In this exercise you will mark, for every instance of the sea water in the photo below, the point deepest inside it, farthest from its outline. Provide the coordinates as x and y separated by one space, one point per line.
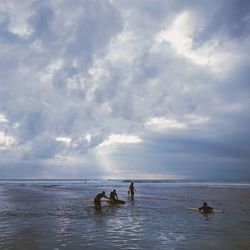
42 214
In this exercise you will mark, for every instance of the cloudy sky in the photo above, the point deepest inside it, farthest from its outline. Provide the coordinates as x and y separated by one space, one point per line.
125 89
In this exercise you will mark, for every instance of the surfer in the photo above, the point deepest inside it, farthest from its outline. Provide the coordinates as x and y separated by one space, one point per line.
132 190
113 196
97 200
205 208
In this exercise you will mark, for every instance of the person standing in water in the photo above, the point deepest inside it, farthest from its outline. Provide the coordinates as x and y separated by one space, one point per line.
97 200
205 208
132 190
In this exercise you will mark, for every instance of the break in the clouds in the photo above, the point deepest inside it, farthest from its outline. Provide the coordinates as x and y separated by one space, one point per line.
124 89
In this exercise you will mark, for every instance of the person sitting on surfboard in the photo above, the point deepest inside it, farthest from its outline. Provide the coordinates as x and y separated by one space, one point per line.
131 190
113 195
97 200
205 208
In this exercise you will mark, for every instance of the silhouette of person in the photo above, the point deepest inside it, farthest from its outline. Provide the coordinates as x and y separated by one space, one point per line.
97 200
205 208
113 195
132 190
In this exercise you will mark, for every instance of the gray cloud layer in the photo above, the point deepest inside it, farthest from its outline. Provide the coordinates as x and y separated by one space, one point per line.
79 78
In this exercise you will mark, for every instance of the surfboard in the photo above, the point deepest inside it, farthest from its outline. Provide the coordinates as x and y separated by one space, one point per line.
192 208
116 202
91 200
197 209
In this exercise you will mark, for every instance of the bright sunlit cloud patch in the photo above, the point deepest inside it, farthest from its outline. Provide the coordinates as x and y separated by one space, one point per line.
65 140
6 140
3 118
88 137
18 22
163 124
117 138
179 37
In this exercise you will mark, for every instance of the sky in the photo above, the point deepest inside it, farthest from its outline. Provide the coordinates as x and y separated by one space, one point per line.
125 89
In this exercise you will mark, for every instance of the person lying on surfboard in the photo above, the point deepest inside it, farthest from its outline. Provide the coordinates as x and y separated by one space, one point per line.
113 195
97 200
205 208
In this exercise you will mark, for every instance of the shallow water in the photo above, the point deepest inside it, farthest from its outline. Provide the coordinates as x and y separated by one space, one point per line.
52 215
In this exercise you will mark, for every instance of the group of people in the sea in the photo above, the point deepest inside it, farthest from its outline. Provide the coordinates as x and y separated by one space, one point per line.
112 197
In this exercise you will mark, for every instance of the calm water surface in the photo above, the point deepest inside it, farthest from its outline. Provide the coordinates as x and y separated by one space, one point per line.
53 215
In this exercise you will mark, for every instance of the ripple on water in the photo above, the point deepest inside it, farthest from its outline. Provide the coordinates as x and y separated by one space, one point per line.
55 218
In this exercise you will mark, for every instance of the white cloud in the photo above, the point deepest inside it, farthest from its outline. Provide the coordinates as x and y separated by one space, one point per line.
120 139
88 137
6 140
50 70
65 140
3 118
18 22
218 54
164 124
179 36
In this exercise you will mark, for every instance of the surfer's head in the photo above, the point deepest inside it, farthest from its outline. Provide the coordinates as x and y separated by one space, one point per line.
204 204
114 190
103 192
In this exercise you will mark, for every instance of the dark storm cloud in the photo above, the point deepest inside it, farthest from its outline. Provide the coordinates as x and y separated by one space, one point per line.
41 22
5 35
231 20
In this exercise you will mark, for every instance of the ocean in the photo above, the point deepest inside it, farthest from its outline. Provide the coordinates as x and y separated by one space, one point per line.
54 214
